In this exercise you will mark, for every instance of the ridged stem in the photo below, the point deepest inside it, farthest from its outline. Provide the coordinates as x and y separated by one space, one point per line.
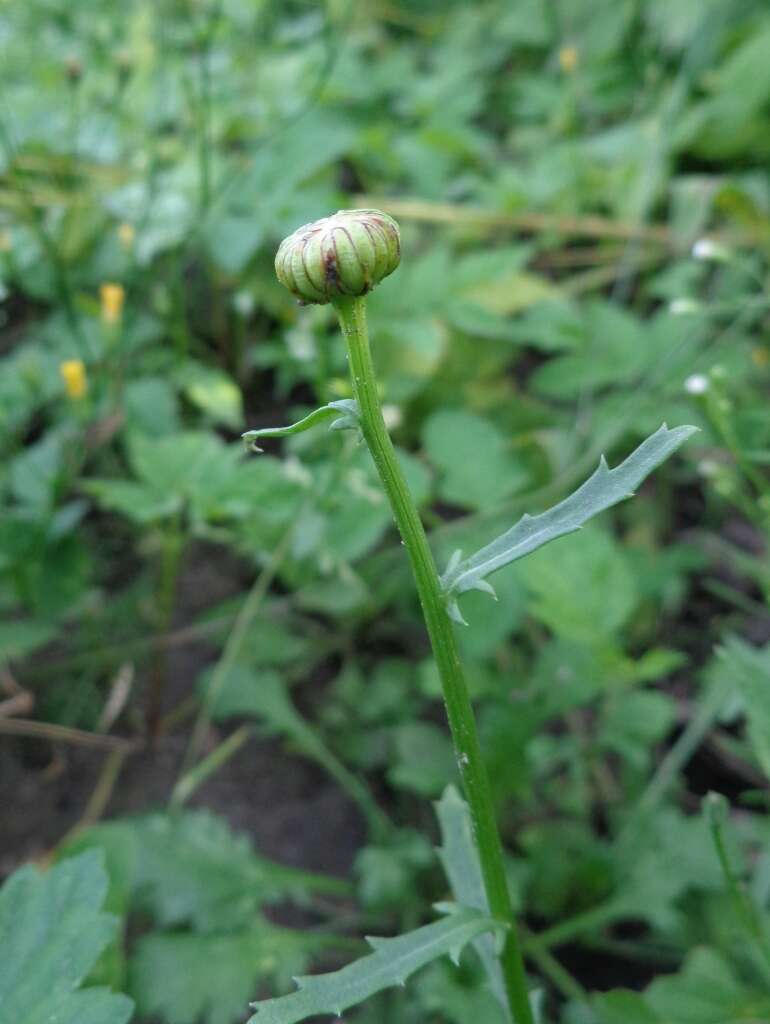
352 317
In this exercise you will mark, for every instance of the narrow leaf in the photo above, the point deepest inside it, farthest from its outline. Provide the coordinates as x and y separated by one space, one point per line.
391 963
345 411
606 487
461 866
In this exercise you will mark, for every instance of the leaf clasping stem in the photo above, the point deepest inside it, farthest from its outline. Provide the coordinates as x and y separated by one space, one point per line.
352 316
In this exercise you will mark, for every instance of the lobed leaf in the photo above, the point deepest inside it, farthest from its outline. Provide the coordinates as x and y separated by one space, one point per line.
391 963
193 869
606 487
184 978
52 930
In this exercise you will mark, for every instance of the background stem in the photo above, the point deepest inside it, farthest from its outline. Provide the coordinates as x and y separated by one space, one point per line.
352 317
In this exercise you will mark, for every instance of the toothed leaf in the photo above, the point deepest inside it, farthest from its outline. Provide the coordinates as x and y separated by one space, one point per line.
461 866
391 963
349 419
52 931
606 487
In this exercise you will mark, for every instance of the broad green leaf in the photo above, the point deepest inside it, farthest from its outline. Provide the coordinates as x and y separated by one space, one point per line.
232 239
186 978
707 991
193 869
461 865
602 490
748 668
672 856
613 348
634 722
214 393
177 463
138 502
493 621
423 758
442 993
116 840
391 963
20 638
151 407
583 589
52 930
476 468
622 1007
34 472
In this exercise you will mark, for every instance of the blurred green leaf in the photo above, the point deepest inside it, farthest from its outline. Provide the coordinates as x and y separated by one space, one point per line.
52 930
192 869
17 639
748 669
185 978
214 393
476 465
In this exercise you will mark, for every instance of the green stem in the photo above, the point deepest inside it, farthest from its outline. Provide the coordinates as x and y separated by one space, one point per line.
717 810
352 317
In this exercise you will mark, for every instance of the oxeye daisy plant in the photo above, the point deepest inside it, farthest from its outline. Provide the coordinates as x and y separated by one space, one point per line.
338 260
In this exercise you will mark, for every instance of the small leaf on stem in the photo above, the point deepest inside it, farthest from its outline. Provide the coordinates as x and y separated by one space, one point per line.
606 487
344 412
391 963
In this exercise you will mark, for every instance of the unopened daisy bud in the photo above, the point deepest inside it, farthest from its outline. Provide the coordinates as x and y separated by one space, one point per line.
344 255
73 373
708 249
112 297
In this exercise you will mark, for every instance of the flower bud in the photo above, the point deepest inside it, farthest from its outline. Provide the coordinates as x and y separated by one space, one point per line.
343 255
73 373
112 297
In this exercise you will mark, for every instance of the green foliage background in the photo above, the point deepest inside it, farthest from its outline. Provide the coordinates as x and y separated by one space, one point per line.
551 163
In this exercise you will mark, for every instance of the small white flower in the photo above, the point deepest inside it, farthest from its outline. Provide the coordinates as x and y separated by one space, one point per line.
392 416
301 343
684 307
696 384
708 249
243 303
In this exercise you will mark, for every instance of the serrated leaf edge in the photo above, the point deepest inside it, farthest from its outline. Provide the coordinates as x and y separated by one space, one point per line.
462 575
463 925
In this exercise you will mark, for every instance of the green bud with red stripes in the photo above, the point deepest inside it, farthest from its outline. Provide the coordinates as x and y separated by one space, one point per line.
344 255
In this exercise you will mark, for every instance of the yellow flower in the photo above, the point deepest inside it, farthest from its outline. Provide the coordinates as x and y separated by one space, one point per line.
568 59
126 234
760 356
112 297
73 374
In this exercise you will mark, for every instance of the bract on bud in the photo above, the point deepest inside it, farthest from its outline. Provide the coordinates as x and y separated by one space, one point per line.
346 254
